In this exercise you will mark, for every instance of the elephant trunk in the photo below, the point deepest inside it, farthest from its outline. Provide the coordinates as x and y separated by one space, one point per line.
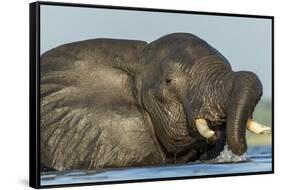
245 94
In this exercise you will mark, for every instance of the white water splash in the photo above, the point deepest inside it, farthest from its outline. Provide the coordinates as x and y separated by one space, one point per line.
227 156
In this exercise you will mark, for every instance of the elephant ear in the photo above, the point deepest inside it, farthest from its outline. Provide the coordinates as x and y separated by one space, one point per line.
77 81
64 109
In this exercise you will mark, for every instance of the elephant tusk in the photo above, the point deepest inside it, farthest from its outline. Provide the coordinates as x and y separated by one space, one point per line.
256 127
203 128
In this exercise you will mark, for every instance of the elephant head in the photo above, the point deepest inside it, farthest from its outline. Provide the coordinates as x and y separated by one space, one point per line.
191 94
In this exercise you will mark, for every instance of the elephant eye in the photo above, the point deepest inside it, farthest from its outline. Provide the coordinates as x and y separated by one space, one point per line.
168 81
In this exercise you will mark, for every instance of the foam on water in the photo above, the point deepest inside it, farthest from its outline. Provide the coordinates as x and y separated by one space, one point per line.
227 156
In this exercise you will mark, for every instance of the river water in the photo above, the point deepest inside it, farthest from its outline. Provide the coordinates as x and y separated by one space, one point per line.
259 159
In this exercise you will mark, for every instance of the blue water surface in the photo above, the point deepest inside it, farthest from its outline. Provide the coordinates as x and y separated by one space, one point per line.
259 160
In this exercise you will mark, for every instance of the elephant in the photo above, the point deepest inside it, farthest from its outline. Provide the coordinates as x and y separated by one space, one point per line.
113 103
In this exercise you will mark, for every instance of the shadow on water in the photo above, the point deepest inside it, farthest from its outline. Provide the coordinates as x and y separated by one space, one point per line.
258 159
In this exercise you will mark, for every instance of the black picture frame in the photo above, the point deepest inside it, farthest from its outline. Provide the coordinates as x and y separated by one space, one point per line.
34 82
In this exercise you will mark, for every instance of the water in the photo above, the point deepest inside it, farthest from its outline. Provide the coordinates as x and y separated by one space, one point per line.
259 159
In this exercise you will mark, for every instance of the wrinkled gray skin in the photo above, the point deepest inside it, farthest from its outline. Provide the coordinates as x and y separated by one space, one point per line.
121 103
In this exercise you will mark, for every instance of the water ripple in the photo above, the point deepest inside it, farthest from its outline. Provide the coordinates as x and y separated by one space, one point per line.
259 159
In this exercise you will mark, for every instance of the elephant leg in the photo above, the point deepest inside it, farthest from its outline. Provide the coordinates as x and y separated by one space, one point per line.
190 156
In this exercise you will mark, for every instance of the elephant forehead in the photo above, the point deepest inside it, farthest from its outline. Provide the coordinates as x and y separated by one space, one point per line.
179 49
188 65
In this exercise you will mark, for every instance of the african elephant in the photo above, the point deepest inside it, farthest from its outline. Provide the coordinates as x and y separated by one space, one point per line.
108 103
